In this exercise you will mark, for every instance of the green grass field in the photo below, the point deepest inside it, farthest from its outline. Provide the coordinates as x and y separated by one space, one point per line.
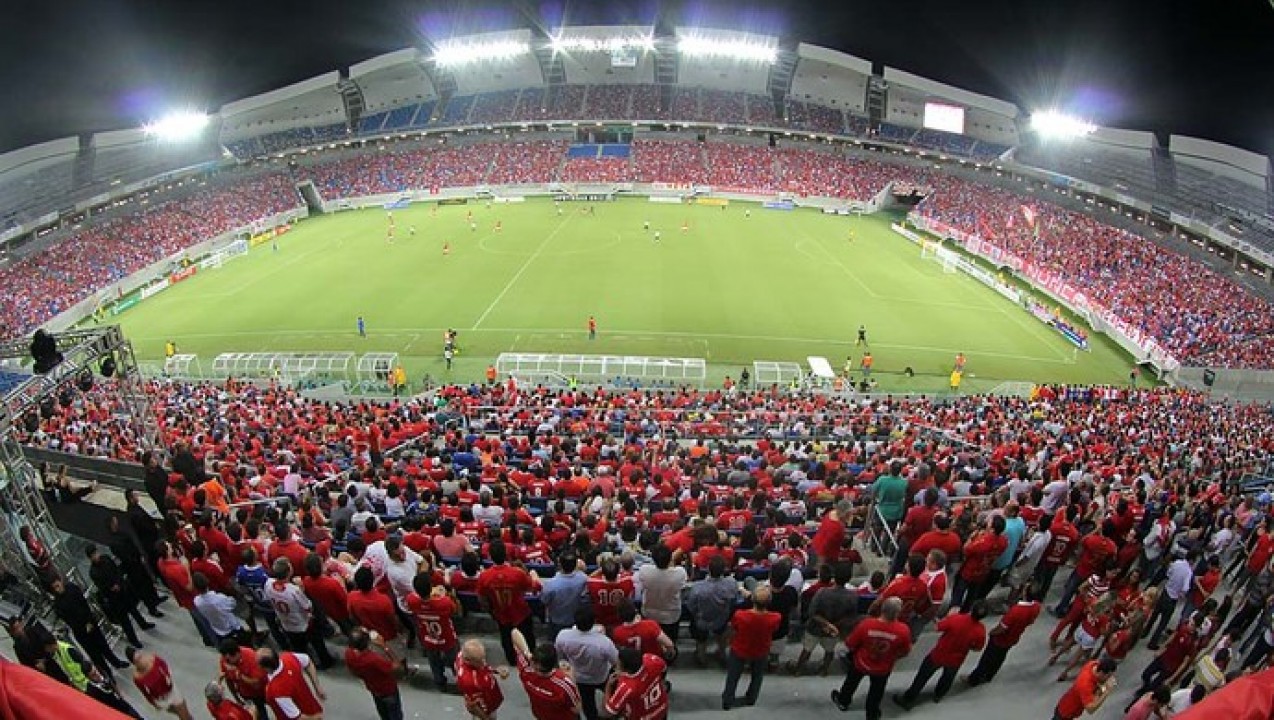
733 289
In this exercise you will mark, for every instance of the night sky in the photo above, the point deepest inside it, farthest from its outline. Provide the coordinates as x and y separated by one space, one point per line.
1203 68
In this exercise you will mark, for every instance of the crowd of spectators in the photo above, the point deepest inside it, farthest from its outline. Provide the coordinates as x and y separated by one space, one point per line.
814 117
565 102
76 267
609 102
722 106
828 173
669 161
1135 484
1196 314
493 107
740 166
761 112
601 170
526 162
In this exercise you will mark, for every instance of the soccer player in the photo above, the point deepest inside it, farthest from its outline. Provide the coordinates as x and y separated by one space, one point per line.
862 337
658 235
959 362
592 328
473 227
866 364
559 208
645 225
499 226
448 355
747 213
685 226
956 377
170 349
411 231
446 249
362 327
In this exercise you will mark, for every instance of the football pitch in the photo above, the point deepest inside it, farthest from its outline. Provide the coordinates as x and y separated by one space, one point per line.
741 283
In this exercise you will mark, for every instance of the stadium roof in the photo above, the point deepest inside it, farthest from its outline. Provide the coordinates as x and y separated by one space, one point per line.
78 66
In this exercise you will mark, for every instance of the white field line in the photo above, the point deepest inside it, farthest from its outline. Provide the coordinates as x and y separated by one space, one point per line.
516 276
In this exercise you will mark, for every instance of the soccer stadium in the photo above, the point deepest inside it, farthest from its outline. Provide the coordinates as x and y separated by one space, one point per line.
583 373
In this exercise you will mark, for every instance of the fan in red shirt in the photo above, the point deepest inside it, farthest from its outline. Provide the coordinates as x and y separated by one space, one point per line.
153 678
552 692
605 593
751 635
1095 551
242 673
876 644
979 552
641 634
433 611
222 708
910 589
504 588
941 537
829 538
374 663
292 687
1090 690
1065 538
638 690
328 592
1004 636
370 607
961 634
476 681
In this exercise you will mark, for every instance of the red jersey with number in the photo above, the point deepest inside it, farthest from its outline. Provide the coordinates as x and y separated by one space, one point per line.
504 588
479 686
553 696
641 696
606 597
1065 537
642 635
433 621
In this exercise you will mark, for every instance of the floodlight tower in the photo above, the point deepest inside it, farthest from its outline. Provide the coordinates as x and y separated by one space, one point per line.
21 498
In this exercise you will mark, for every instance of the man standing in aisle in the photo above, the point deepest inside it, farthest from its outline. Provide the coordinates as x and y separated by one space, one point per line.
550 689
1093 685
1004 636
750 634
961 634
503 588
591 654
295 612
372 661
638 691
477 682
876 644
292 687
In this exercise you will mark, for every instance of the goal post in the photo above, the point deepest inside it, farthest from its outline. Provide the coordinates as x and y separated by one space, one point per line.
933 250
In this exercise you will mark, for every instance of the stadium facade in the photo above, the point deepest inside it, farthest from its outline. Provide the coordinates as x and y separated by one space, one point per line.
619 83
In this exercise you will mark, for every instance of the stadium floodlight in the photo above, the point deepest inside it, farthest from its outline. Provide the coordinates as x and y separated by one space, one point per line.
730 49
1054 124
178 126
460 53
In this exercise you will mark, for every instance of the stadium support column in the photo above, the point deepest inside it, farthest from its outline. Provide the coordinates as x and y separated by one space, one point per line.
132 391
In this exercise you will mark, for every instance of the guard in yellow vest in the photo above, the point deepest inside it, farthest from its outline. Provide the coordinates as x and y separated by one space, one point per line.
956 377
170 349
